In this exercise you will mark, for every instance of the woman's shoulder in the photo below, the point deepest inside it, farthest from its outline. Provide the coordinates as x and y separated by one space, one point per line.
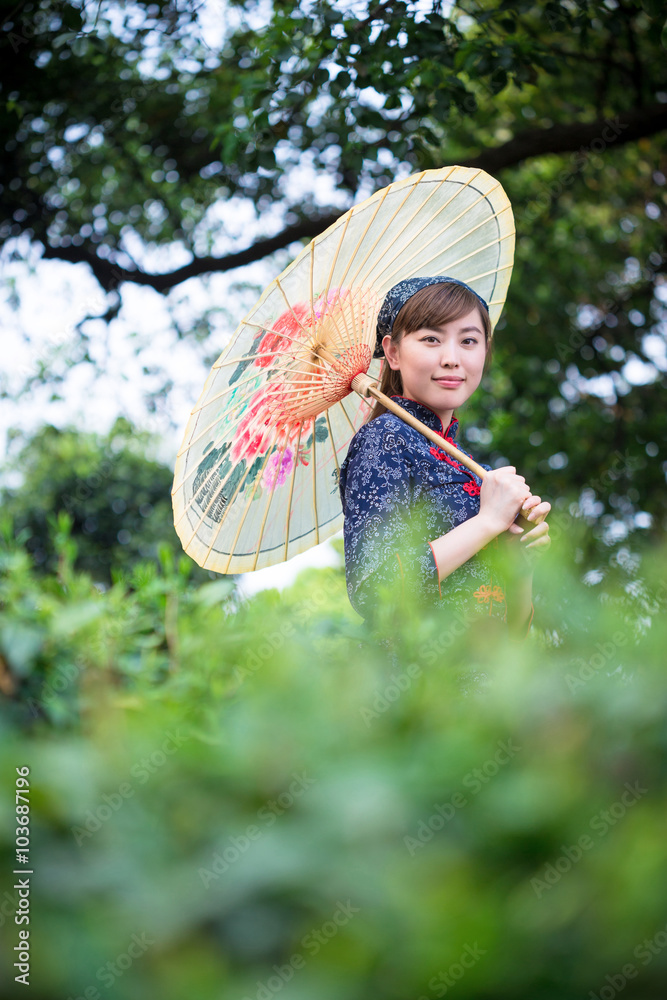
381 447
386 431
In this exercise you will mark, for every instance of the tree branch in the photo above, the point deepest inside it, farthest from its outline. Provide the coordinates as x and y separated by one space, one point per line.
110 275
572 138
576 137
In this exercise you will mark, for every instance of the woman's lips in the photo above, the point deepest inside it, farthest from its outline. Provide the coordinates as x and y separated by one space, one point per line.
449 382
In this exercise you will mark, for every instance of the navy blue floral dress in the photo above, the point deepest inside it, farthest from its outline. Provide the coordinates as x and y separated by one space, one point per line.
399 492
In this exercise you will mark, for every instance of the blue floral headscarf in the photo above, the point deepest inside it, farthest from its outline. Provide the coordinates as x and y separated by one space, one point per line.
397 296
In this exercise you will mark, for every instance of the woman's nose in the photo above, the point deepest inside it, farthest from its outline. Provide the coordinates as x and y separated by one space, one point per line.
449 356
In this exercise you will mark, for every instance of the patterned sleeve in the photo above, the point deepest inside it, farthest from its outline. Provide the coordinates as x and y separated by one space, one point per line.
377 496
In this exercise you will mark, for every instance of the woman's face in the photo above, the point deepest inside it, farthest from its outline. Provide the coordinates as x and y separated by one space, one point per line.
440 368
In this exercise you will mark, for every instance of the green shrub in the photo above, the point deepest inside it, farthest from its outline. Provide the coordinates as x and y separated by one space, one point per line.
256 799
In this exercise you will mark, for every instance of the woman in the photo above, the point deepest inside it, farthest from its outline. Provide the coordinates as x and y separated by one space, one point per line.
411 512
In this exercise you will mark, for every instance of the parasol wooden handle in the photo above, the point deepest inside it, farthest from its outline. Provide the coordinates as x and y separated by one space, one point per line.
365 386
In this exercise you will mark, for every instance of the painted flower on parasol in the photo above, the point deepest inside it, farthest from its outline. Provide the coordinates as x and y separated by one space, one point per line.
298 386
256 479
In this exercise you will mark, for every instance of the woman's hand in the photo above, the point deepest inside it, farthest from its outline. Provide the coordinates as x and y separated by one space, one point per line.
535 538
501 496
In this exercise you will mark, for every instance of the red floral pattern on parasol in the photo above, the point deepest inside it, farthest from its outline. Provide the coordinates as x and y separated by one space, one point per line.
288 327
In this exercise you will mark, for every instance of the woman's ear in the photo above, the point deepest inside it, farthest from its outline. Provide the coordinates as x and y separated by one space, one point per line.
390 348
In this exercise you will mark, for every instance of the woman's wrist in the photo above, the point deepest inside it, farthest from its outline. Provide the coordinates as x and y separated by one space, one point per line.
490 524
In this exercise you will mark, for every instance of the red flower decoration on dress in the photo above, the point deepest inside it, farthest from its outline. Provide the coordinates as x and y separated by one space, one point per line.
442 456
471 488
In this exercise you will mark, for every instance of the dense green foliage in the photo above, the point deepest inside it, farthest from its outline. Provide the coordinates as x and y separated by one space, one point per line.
118 499
244 800
160 124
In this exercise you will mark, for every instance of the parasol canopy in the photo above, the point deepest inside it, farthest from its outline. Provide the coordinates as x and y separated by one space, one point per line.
256 478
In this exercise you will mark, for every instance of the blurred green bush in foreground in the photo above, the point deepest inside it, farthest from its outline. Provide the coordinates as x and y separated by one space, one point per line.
258 799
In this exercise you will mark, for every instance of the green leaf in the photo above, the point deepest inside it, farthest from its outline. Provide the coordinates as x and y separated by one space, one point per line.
72 618
66 38
20 645
214 593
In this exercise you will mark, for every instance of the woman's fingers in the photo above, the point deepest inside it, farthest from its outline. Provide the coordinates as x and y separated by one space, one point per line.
531 501
530 504
538 535
539 510
514 529
541 543
536 532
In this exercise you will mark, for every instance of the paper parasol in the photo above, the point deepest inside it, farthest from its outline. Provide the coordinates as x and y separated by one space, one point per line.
256 478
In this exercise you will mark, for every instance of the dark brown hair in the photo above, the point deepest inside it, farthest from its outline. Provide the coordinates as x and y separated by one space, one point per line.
429 309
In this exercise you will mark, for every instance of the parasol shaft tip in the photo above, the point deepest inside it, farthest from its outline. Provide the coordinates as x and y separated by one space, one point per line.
363 384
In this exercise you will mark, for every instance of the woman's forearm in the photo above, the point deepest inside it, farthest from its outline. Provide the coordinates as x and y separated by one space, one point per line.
459 544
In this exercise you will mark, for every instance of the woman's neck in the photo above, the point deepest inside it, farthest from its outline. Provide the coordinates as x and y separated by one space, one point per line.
446 416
